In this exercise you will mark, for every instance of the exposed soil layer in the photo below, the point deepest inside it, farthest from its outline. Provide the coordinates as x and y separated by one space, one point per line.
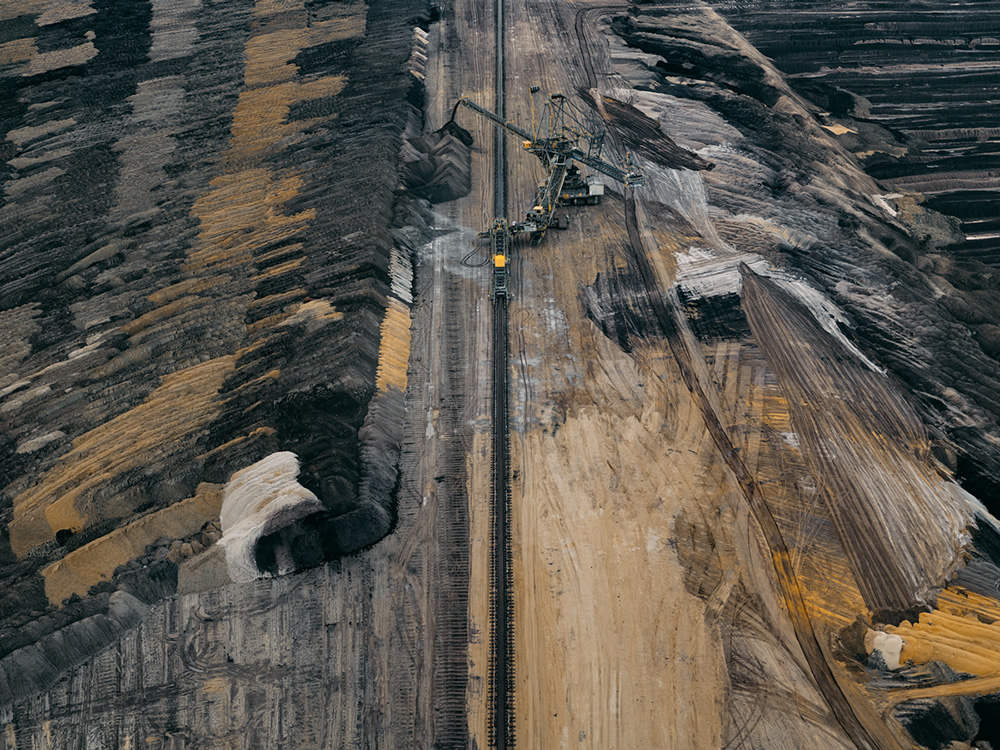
908 90
438 165
926 71
937 339
741 398
643 135
835 383
205 261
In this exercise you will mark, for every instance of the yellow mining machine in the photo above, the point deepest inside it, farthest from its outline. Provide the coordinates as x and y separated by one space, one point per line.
499 235
559 136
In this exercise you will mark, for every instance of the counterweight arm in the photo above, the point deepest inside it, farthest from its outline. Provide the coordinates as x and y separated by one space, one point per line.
630 177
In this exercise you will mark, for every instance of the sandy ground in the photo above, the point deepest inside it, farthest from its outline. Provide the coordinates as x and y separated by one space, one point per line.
688 544
649 612
612 464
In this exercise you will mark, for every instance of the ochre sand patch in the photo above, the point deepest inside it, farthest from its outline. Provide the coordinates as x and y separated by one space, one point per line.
394 350
962 642
957 632
159 426
95 562
595 525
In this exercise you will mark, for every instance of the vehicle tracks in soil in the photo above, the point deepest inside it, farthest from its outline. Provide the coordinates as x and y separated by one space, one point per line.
666 308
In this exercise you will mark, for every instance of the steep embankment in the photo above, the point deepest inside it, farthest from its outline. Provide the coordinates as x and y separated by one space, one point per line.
927 70
815 329
910 91
199 270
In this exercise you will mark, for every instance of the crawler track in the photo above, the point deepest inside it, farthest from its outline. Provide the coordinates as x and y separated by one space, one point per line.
501 668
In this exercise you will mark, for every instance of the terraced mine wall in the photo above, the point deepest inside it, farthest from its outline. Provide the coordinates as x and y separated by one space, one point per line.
937 334
205 261
926 71
910 91
789 257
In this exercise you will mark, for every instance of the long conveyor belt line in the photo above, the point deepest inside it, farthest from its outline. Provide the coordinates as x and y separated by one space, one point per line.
501 669
502 657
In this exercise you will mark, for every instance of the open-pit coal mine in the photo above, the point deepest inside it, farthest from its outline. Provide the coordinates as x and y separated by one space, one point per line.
649 400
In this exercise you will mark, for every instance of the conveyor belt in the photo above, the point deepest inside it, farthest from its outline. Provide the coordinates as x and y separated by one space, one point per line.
501 669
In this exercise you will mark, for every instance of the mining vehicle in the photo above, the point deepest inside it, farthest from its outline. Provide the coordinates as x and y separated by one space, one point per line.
500 277
579 190
560 136
499 235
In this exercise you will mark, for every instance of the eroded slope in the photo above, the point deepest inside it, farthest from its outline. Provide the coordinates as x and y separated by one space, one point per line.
204 263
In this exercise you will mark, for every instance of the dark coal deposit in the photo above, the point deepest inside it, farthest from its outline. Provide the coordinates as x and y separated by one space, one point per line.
186 219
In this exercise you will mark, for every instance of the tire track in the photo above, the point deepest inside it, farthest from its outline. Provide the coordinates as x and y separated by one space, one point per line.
666 309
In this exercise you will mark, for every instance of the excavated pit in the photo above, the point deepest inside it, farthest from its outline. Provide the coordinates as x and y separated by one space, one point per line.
737 435
207 261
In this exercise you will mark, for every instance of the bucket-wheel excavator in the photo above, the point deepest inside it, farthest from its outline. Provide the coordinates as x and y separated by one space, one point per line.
559 136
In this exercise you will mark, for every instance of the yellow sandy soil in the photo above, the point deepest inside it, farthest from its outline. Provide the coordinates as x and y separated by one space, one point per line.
95 562
61 500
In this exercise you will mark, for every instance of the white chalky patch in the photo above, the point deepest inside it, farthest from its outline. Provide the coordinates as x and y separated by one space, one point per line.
259 500
888 644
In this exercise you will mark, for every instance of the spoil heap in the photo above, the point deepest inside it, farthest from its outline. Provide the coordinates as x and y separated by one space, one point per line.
201 269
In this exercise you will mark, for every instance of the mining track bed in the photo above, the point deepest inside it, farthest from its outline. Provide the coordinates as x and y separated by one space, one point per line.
501 666
501 673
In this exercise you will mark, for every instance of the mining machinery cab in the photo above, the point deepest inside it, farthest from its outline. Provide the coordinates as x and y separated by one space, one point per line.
501 278
578 190
537 220
499 236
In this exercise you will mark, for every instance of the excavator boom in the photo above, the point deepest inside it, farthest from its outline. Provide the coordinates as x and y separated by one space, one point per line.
630 177
546 148
556 140
494 118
